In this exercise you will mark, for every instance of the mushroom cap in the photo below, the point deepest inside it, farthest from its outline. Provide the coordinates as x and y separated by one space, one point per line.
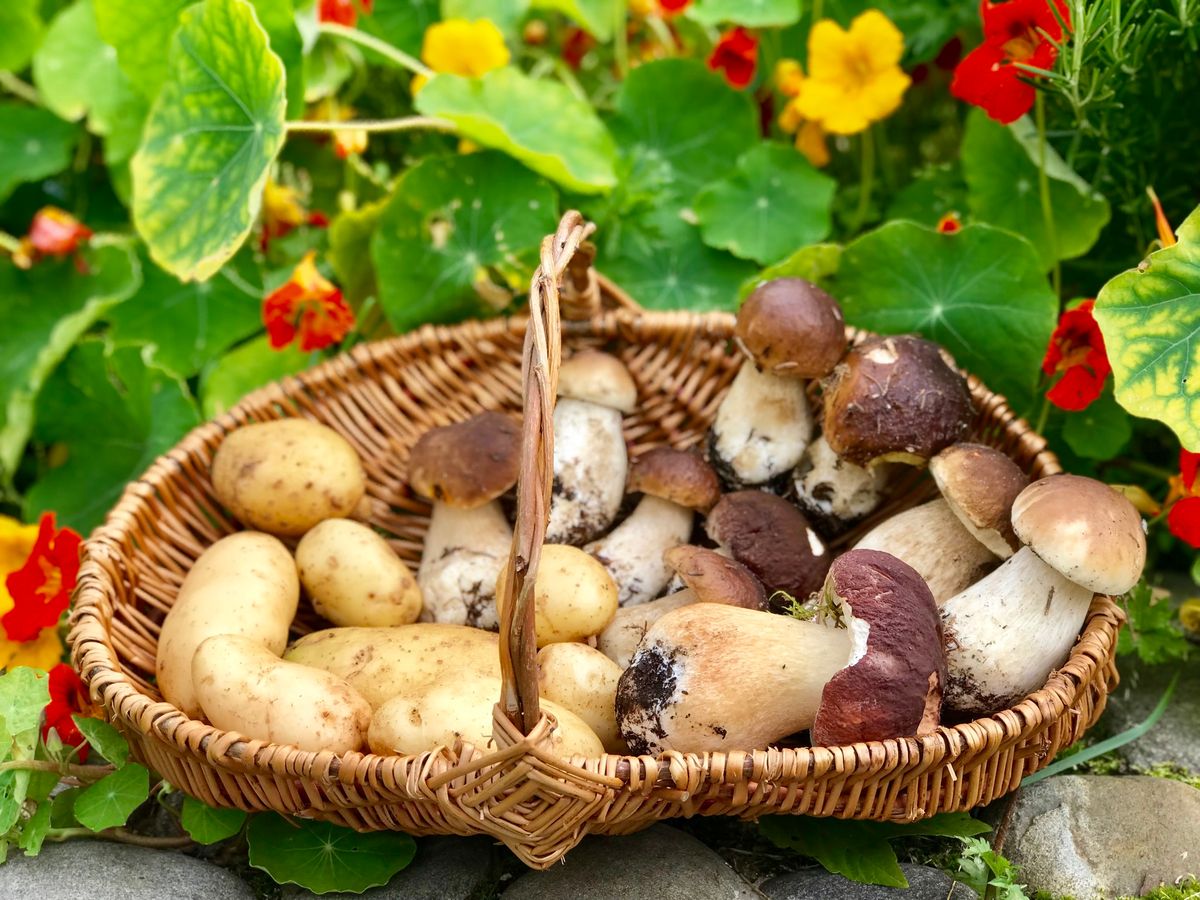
598 378
682 477
714 578
772 539
895 399
1083 529
468 463
980 484
893 685
792 328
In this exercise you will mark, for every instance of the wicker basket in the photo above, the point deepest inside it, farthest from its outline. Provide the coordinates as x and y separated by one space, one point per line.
382 397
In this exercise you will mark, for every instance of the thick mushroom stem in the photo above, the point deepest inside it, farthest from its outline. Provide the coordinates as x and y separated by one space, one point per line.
633 551
464 552
1007 632
620 639
835 492
761 428
686 686
590 466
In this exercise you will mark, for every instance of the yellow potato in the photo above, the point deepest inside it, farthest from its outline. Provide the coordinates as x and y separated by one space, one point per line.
381 662
287 475
420 720
354 577
583 680
243 687
243 584
574 596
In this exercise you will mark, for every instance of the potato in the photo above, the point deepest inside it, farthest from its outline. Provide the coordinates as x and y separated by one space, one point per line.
354 577
583 680
243 584
382 662
619 641
286 476
574 596
243 687
419 720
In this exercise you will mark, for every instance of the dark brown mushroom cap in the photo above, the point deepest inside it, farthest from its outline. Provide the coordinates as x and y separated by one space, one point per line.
600 378
676 475
790 327
1083 529
894 689
468 463
714 578
772 539
895 399
980 484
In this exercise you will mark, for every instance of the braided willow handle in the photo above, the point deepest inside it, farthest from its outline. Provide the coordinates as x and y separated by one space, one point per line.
539 383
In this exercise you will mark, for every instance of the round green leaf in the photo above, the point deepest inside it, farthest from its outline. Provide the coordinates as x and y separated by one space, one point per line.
323 857
774 202
935 191
1099 432
209 141
77 72
751 13
401 23
278 19
139 32
34 143
104 739
111 800
1000 164
980 293
245 369
20 32
350 250
24 693
206 825
814 263
541 123
459 237
1150 318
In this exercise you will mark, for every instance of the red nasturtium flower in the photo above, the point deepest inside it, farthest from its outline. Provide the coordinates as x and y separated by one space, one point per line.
343 12
307 306
53 232
950 223
1077 351
673 7
576 46
1183 520
1017 31
67 698
282 212
735 57
41 589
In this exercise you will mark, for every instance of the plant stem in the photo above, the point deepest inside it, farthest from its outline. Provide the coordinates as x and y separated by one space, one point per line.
1145 468
816 13
866 181
91 773
120 835
19 88
620 41
383 48
407 123
1043 415
9 243
1044 190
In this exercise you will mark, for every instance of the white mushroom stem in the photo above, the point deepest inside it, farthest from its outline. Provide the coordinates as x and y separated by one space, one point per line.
932 540
1007 632
633 551
836 488
620 640
463 554
762 426
590 466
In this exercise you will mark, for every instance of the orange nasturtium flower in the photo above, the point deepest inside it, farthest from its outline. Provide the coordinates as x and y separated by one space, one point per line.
810 136
343 12
459 47
950 223
1076 350
53 232
854 77
1166 234
308 307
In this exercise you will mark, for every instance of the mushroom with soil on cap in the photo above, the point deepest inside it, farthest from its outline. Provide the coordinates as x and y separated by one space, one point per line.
673 483
955 540
1006 633
790 330
834 492
463 468
590 461
879 676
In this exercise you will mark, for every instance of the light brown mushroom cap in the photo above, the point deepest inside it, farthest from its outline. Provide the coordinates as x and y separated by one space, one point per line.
980 484
714 578
598 378
1084 530
792 328
679 476
468 463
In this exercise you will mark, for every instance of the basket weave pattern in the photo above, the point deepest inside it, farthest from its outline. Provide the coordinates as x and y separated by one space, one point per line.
382 397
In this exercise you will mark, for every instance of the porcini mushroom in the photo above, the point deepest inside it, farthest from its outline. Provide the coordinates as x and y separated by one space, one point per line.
463 468
590 461
895 399
834 492
673 484
790 330
980 484
1006 633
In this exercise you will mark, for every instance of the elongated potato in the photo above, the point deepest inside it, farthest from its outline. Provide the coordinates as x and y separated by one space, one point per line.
243 584
420 720
382 662
583 680
354 577
286 476
574 596
244 687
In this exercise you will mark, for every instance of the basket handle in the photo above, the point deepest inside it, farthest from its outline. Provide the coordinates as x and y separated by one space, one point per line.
539 383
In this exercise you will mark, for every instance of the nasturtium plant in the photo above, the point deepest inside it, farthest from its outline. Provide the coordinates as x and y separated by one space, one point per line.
104 739
139 32
599 17
211 137
34 143
749 13
1101 431
20 31
350 249
507 14
814 263
245 368
401 23
1150 318
111 800
206 824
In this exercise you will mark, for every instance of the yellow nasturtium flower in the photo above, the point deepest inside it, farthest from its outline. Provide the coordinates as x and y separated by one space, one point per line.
854 77
459 47
810 136
44 651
